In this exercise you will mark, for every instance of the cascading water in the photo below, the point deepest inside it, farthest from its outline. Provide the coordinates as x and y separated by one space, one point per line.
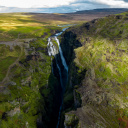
54 51
61 54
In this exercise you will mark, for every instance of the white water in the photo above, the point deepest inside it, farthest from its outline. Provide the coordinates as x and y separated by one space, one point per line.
61 54
61 82
53 51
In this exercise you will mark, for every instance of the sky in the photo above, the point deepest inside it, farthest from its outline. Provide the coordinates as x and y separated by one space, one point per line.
58 6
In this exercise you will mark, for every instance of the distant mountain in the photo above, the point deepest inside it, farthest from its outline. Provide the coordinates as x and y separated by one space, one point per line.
103 10
80 16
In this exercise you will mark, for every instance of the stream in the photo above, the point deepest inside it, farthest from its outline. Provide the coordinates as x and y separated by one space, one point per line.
54 49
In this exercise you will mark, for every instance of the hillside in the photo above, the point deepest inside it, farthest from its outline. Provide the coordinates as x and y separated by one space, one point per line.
106 11
77 17
98 73
96 52
28 90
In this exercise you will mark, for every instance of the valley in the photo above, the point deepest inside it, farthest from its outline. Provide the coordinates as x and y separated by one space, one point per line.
64 70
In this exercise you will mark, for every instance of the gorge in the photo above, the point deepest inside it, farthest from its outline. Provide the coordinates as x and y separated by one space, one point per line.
63 72
94 92
70 78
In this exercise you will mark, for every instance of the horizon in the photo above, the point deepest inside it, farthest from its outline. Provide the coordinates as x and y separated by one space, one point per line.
70 12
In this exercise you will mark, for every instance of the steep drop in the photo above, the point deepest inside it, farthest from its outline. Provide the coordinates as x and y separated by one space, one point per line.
56 51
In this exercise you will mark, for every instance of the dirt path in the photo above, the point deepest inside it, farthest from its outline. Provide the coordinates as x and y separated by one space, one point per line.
11 44
12 65
16 42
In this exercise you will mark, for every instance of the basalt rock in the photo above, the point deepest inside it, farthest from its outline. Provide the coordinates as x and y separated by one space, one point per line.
98 99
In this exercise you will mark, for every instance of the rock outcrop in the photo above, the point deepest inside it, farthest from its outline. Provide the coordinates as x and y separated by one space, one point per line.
97 55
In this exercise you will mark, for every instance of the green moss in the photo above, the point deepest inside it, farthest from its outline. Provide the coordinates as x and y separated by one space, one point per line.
104 55
68 100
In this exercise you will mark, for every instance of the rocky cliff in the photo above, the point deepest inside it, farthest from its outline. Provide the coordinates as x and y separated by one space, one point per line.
97 54
29 92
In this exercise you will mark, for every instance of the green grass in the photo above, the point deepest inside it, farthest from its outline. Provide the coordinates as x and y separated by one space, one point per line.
24 25
34 84
7 57
107 63
33 95
106 53
4 64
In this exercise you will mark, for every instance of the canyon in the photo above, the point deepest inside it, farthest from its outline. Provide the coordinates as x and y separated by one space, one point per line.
71 75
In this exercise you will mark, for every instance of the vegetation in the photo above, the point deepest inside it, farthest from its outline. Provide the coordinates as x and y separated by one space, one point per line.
27 86
104 84
23 25
7 57
98 72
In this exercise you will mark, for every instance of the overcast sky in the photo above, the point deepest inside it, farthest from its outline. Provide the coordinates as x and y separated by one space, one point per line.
58 6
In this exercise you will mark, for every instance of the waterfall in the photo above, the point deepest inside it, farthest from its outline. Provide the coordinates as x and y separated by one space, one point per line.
53 51
61 54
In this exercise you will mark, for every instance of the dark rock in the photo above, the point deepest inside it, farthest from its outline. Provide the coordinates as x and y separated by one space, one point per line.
43 60
69 43
45 34
88 40
94 21
4 116
40 49
121 50
44 50
108 59
26 42
113 53
11 83
87 26
39 122
119 17
35 56
2 88
31 49
125 18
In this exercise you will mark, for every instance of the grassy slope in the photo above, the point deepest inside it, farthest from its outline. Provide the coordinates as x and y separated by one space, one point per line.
24 25
24 95
104 55
17 26
7 57
27 96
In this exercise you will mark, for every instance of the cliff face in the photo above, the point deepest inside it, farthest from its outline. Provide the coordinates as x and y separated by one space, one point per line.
97 55
29 92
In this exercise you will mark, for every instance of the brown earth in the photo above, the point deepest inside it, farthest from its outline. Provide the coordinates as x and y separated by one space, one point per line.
86 15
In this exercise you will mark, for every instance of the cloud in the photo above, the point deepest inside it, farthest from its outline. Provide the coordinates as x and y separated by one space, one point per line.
4 9
34 3
113 3
58 6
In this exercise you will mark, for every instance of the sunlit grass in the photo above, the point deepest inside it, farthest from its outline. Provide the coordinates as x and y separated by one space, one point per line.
107 59
12 24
